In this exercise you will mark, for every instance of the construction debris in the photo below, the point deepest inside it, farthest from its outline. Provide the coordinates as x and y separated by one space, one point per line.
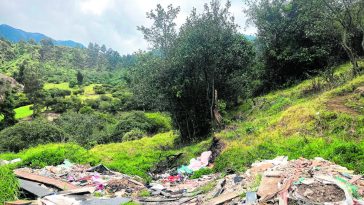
278 181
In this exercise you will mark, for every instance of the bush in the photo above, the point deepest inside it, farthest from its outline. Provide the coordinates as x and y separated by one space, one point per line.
78 92
133 135
86 110
86 129
161 120
28 134
9 185
135 120
55 92
73 83
93 103
99 89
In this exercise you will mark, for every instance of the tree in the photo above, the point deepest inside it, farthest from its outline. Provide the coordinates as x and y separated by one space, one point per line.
79 78
162 33
292 39
33 88
46 49
206 55
6 105
344 15
19 76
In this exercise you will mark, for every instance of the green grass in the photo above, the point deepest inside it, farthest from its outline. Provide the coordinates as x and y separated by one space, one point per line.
293 123
89 93
8 185
132 157
52 154
137 157
62 86
22 112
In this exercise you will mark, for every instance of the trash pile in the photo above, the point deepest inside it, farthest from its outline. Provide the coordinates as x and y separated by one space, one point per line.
278 181
77 184
304 181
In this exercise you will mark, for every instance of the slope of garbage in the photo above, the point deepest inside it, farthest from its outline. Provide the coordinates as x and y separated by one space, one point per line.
277 181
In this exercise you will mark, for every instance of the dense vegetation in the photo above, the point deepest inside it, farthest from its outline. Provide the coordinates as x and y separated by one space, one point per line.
289 92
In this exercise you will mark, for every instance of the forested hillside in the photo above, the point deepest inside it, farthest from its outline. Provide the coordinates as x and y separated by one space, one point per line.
295 89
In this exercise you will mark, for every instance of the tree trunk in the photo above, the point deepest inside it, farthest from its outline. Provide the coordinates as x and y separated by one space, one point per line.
350 53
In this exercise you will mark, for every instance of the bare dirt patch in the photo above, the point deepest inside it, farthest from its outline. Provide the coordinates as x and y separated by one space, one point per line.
338 104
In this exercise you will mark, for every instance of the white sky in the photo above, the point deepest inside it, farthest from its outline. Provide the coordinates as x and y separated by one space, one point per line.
109 22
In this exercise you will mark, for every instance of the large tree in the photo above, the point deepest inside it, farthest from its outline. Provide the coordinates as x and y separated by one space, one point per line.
292 39
162 33
33 87
207 64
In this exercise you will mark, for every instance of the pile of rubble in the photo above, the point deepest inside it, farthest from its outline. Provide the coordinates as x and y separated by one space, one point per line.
70 183
277 181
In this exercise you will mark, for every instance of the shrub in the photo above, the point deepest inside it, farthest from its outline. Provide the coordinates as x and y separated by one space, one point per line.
86 110
160 120
9 185
28 134
99 89
79 91
133 135
73 83
86 129
55 92
105 98
132 121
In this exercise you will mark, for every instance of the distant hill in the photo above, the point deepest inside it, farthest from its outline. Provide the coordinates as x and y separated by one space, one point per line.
15 35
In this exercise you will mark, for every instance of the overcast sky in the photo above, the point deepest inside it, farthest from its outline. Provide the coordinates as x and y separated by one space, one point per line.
109 22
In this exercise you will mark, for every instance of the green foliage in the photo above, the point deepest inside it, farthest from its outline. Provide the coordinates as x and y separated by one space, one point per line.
86 128
6 107
53 154
162 120
139 156
28 134
9 185
33 87
288 123
137 120
293 39
199 173
207 60
134 134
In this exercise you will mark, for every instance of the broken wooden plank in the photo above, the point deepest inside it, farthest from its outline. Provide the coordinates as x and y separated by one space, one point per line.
223 198
18 202
45 180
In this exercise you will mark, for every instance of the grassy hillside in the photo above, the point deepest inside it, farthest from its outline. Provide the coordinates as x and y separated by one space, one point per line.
314 118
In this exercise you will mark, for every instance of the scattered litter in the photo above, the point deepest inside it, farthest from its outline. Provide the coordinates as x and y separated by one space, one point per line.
5 162
277 181
251 198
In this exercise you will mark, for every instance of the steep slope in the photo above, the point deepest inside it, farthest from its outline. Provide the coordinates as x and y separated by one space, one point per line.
15 35
318 117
